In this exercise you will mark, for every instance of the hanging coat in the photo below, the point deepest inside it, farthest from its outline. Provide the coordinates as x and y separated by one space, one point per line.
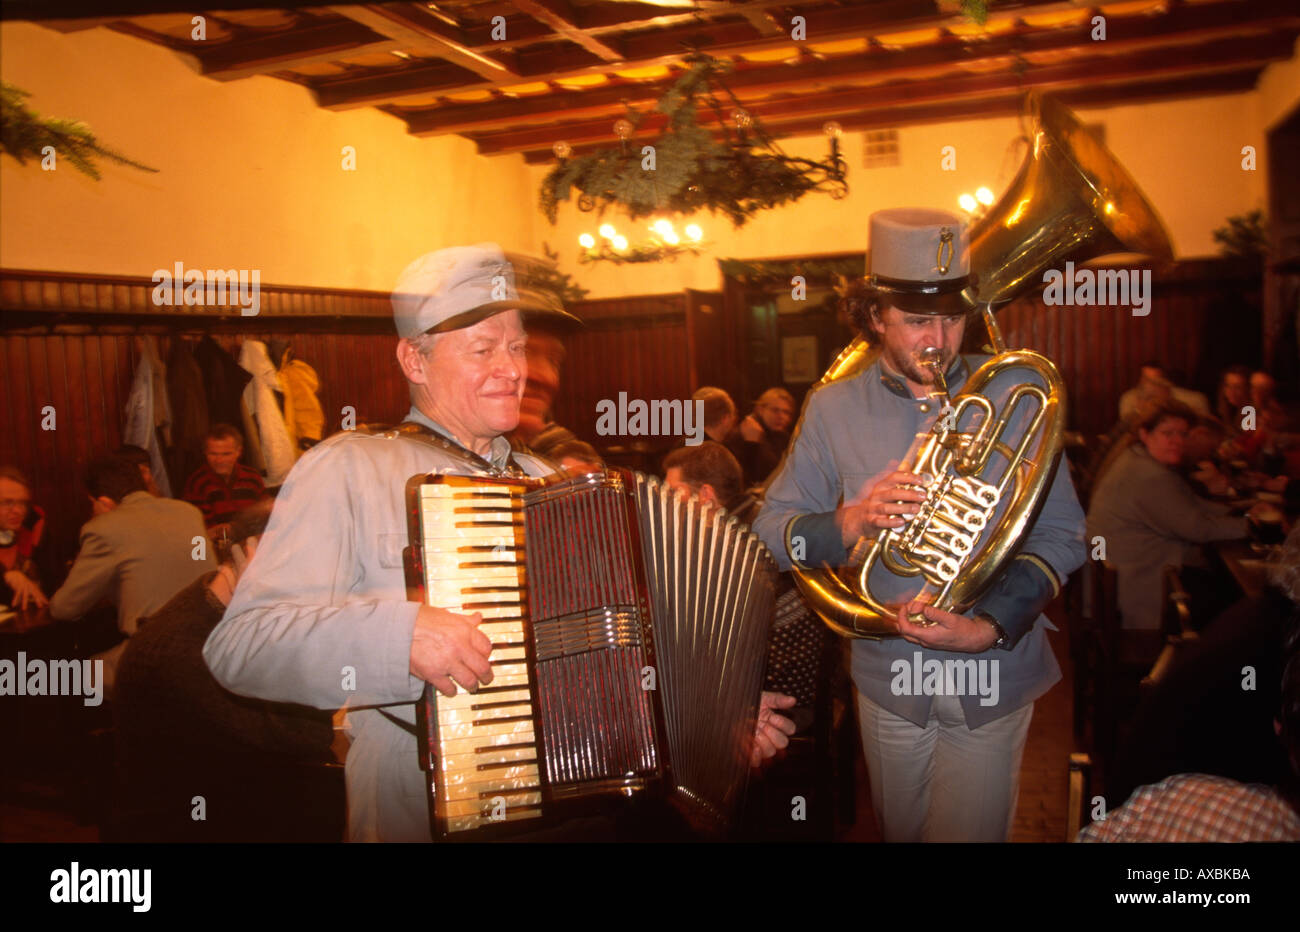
223 382
148 412
189 405
260 396
300 386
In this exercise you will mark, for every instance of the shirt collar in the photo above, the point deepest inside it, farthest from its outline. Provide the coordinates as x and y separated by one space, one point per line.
498 452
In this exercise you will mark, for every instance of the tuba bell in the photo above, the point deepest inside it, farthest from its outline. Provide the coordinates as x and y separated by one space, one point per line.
1071 199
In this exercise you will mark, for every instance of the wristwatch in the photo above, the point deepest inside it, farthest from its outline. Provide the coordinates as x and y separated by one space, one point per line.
1003 642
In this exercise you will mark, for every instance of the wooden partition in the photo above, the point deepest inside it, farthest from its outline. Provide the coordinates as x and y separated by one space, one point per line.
1204 316
71 343
86 378
634 345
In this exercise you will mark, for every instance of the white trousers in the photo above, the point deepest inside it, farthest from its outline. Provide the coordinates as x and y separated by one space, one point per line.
943 782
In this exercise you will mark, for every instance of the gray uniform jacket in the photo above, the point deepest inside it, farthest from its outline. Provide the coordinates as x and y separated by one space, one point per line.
322 607
854 430
138 555
1150 518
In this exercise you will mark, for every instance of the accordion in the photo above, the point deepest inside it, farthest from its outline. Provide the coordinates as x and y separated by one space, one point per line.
629 626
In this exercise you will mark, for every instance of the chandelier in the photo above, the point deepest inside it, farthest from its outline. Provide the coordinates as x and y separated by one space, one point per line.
684 169
661 242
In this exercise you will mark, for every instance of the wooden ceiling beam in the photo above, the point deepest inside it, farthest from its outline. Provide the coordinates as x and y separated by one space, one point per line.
303 45
832 23
77 25
559 17
1231 55
1005 104
656 48
1184 26
890 14
428 36
764 22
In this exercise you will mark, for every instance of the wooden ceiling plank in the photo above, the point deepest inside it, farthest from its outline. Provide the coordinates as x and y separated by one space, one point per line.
1232 82
764 22
1231 55
560 19
872 67
730 37
310 45
78 25
425 37
1188 23
415 81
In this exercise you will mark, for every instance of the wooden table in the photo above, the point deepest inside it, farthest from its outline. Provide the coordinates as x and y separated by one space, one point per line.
1243 564
26 620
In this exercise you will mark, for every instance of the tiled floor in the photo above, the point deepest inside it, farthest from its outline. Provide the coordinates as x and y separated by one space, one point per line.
1044 772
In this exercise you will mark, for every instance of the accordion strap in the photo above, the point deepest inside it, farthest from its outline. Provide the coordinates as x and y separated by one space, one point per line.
424 434
405 726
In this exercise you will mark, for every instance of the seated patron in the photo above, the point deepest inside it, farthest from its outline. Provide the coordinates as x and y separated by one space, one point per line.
1198 718
1261 442
1150 518
1199 807
1234 394
223 486
1201 467
180 733
1154 383
719 413
22 531
710 471
140 457
764 434
137 552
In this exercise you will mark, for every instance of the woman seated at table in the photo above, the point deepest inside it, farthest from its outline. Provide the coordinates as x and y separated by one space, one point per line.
22 527
1150 518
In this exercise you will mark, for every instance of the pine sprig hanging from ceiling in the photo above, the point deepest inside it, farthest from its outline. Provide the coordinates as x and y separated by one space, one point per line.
24 135
744 173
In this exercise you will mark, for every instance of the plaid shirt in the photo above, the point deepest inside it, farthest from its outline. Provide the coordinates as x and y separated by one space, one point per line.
1196 807
220 500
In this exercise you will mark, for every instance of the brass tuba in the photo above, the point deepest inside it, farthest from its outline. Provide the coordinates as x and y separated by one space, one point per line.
1071 199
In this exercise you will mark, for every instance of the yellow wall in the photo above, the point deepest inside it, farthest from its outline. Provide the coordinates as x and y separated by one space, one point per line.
1193 178
250 175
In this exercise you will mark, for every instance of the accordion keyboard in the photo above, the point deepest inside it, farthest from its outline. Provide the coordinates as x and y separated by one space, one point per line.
473 561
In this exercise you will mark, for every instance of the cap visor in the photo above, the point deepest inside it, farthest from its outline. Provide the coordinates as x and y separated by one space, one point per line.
483 311
944 305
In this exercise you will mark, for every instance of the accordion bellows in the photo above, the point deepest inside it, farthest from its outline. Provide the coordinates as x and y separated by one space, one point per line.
629 627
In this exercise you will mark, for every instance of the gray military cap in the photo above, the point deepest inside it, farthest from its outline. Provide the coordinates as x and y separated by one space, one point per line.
920 259
457 287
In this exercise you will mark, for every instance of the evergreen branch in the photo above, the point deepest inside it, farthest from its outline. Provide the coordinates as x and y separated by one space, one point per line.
24 135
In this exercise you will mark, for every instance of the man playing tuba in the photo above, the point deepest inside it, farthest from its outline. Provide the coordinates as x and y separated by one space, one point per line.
944 708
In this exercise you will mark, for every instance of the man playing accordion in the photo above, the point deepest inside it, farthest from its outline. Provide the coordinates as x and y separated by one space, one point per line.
321 616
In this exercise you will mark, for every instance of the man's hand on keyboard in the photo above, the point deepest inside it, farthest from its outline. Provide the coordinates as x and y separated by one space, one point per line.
448 647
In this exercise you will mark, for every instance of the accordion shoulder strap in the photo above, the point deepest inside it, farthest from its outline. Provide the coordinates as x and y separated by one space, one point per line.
473 461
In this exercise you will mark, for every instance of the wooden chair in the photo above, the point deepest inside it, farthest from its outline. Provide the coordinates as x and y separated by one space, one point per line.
1076 811
1178 623
1114 673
